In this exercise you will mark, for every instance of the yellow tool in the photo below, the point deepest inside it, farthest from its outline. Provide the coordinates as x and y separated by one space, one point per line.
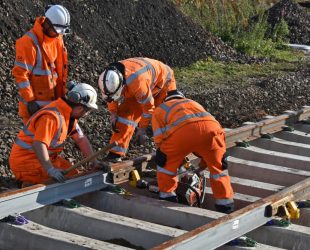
289 211
134 177
293 210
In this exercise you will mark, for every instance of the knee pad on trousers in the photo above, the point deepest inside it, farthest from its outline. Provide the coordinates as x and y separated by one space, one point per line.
160 158
225 161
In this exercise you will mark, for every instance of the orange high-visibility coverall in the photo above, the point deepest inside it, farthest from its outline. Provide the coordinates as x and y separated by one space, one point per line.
40 68
180 127
49 126
147 82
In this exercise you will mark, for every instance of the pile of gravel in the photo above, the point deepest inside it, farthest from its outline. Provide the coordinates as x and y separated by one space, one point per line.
297 18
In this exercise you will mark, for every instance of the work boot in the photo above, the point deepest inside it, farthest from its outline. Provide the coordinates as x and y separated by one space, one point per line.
171 199
113 157
226 209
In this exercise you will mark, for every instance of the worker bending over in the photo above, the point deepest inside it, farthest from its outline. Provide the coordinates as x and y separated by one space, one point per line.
35 154
182 126
41 63
133 88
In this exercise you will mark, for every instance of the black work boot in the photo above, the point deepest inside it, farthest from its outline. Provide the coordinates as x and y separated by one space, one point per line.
113 157
226 209
171 199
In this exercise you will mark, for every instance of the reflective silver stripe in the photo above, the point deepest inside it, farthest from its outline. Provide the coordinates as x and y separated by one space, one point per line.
43 103
136 75
41 72
23 65
38 67
150 67
224 201
23 144
148 116
164 195
126 121
54 143
168 74
27 132
22 85
165 171
172 107
21 99
164 107
119 149
147 99
218 176
39 54
177 122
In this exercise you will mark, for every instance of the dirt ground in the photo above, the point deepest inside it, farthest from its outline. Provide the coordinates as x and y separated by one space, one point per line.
105 31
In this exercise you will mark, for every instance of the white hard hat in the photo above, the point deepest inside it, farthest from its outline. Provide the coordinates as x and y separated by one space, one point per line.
110 83
82 93
59 17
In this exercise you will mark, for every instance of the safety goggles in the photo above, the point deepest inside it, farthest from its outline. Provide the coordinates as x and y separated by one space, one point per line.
62 29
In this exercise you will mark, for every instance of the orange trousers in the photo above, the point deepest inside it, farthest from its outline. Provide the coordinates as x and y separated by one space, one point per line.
31 171
203 138
129 113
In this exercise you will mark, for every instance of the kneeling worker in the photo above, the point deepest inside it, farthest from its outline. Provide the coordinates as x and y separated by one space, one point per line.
182 126
35 154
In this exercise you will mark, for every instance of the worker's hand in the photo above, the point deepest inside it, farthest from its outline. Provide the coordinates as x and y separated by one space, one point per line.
141 136
56 174
32 107
113 121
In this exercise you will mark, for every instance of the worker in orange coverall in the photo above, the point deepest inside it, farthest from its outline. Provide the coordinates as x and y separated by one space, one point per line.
182 126
41 61
35 154
133 88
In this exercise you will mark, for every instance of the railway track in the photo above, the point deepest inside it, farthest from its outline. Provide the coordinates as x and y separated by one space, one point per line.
269 164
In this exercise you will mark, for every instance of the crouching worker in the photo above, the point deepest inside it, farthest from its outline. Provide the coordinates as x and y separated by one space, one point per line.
35 154
182 126
133 88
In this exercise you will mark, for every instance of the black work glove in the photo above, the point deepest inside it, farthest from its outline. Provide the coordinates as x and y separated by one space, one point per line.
32 107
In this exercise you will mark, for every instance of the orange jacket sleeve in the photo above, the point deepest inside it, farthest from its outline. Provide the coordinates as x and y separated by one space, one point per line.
61 64
45 129
140 88
25 60
112 107
157 124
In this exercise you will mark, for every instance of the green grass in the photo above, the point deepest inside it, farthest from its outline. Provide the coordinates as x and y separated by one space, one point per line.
209 73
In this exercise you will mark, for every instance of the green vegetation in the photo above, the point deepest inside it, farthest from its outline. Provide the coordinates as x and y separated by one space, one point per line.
232 22
210 73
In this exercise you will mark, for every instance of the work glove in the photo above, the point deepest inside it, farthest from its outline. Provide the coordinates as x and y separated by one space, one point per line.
33 107
141 136
113 121
56 174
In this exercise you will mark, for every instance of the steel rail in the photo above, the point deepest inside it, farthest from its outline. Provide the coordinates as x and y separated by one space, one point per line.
237 223
26 199
229 227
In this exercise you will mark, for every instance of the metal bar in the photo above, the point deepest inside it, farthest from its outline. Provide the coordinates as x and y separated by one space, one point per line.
41 195
236 224
271 125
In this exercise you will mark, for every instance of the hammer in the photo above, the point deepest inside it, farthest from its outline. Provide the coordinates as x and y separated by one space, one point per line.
89 158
